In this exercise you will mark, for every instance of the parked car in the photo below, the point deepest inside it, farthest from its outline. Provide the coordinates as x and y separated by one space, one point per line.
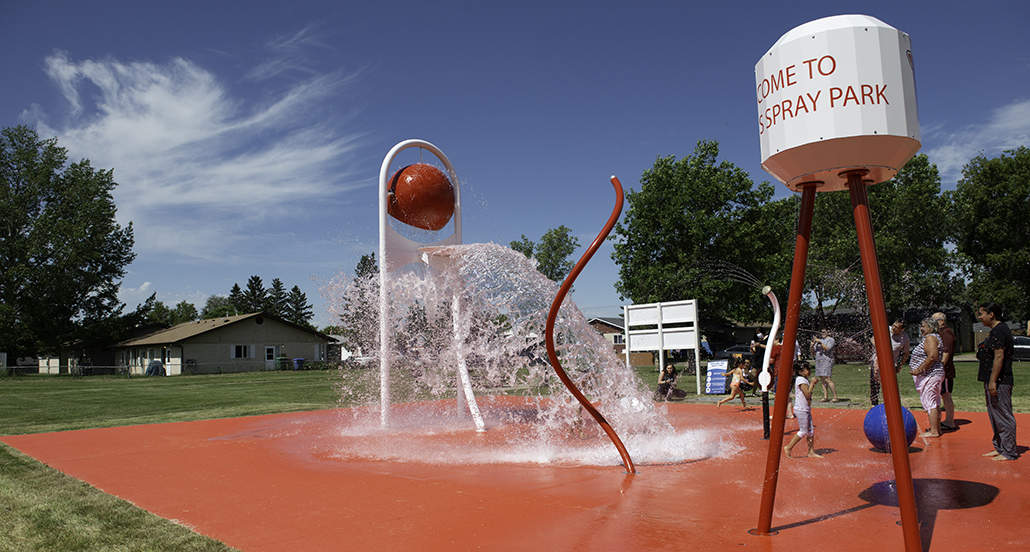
1021 348
733 352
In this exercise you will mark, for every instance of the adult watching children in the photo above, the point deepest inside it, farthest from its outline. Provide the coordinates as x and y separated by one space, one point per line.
822 348
948 359
995 356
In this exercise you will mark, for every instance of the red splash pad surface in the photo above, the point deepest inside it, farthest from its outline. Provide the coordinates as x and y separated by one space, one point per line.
273 483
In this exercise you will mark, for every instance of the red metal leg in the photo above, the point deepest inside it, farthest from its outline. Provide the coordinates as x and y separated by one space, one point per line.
553 315
885 358
790 334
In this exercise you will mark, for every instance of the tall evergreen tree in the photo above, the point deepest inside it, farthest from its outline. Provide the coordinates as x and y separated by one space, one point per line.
297 309
360 314
277 299
254 298
236 300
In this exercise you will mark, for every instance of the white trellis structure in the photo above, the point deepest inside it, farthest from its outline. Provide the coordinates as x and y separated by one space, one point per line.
396 251
675 327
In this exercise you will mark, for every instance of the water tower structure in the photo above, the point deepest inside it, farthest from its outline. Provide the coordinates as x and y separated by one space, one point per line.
837 111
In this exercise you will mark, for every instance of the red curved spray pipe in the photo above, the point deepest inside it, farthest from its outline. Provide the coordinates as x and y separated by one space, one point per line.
553 315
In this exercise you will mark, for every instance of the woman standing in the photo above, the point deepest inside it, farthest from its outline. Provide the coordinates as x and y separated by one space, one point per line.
995 356
928 373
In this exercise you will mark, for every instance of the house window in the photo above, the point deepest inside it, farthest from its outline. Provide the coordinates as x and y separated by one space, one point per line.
240 351
619 339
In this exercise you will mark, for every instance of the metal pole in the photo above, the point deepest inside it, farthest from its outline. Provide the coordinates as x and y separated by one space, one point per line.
885 357
765 378
552 316
401 252
790 333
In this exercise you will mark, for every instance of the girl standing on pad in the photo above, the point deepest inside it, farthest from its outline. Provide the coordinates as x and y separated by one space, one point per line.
802 399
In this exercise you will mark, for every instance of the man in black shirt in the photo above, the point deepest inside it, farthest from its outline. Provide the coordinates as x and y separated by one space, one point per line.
995 356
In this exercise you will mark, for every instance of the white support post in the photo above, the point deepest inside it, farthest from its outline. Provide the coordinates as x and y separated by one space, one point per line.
396 251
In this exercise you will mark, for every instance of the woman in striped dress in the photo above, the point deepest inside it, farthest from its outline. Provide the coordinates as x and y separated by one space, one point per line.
928 373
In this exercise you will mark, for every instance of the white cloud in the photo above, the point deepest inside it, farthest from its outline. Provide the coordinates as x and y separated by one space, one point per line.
185 150
282 53
134 296
1007 128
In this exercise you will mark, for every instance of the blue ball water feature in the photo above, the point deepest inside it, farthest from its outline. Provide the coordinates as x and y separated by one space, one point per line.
875 427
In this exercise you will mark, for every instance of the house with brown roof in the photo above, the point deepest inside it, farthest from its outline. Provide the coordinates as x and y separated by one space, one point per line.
243 343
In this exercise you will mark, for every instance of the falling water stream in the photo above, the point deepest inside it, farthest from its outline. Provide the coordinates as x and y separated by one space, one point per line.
504 303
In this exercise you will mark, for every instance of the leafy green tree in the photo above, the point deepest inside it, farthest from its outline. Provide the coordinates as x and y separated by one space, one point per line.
552 253
992 229
910 227
218 306
183 312
693 218
524 246
160 313
62 255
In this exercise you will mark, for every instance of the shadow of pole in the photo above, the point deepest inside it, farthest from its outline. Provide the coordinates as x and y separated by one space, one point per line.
932 495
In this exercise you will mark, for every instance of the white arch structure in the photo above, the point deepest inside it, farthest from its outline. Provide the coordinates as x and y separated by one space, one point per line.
396 251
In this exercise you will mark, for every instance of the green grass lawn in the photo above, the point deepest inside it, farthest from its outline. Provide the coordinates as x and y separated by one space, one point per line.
852 382
45 510
37 404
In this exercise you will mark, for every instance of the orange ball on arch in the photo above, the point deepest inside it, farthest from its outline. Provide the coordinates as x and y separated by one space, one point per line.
422 196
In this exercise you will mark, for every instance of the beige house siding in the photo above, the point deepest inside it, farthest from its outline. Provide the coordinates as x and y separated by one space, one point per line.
243 343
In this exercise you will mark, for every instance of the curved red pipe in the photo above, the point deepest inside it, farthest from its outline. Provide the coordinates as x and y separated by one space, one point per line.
553 315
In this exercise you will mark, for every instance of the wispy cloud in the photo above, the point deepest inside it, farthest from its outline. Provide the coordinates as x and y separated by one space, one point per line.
1007 128
281 54
198 168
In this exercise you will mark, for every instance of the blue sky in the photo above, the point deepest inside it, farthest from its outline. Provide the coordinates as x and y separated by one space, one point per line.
246 137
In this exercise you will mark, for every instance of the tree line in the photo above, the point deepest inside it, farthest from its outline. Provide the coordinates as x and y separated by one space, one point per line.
274 300
63 255
694 216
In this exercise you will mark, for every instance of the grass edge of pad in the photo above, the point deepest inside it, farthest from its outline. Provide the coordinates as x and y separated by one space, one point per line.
46 510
